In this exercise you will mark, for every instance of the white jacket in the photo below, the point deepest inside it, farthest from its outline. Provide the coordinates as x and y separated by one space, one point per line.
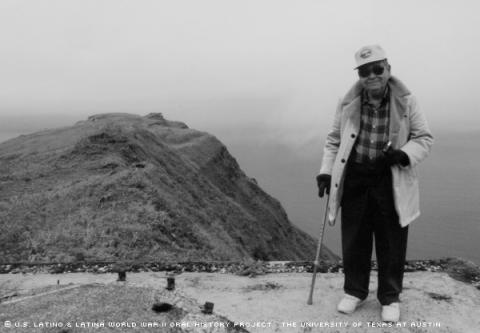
408 131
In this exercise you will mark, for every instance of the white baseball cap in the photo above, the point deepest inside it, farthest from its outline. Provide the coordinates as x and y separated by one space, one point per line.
369 53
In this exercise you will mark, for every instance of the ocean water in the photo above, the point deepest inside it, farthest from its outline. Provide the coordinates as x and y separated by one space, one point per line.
449 225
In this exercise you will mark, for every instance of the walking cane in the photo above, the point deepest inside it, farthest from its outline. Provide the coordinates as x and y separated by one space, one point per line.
317 256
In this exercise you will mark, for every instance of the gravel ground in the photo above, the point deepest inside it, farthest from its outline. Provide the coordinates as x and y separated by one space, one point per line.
431 301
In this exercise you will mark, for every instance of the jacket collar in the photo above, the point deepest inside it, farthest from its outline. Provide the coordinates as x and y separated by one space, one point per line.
397 89
351 104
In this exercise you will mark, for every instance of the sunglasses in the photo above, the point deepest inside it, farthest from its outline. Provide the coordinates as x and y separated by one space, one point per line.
366 71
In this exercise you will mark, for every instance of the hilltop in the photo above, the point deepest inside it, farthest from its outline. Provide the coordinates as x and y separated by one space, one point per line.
122 186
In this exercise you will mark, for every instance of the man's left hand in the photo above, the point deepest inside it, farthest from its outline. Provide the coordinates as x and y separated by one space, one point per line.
397 156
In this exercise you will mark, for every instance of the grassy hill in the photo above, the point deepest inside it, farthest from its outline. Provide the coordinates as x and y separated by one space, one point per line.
121 186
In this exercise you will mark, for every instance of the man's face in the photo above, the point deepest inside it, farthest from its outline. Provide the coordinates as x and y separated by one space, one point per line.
374 76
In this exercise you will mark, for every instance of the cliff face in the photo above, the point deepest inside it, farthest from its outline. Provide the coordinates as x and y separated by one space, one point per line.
132 187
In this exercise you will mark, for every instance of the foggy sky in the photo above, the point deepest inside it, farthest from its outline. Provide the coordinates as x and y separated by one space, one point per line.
270 66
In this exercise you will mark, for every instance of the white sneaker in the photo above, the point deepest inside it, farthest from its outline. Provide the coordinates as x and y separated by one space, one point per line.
349 304
391 312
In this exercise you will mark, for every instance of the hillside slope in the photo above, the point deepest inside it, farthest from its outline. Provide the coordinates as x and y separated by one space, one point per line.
122 186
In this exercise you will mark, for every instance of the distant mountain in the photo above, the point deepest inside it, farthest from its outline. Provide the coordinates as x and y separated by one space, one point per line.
121 186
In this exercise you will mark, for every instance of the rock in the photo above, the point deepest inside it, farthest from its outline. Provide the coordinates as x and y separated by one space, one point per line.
162 307
440 297
16 271
102 270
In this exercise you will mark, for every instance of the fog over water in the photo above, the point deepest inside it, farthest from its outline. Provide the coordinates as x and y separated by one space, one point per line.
263 76
449 193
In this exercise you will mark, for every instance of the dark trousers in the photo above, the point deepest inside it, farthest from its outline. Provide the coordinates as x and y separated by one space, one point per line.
368 211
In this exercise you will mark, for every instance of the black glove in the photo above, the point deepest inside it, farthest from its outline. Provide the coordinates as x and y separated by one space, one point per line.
397 156
323 183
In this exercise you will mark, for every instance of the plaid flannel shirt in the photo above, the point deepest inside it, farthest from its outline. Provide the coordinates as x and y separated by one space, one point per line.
374 122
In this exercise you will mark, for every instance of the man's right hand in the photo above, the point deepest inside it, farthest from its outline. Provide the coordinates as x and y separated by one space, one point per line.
323 183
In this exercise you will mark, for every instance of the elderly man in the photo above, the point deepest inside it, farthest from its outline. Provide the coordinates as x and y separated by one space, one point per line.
379 136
